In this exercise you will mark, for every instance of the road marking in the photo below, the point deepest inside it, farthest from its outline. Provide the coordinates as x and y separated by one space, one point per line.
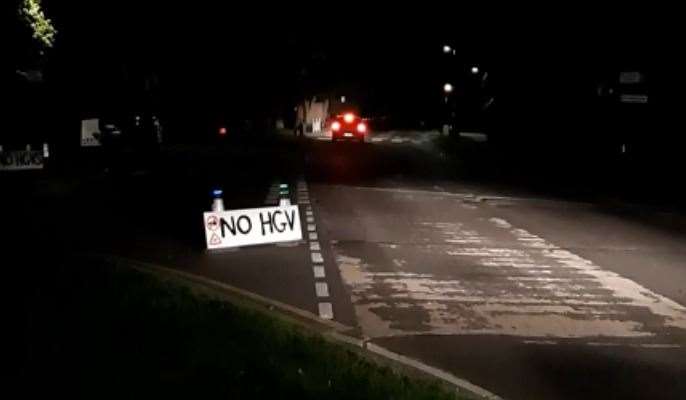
325 311
318 271
543 342
289 244
523 285
317 258
465 196
659 346
501 223
322 289
603 344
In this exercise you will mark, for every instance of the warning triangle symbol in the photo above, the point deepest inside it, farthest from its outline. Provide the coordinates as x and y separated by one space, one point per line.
214 240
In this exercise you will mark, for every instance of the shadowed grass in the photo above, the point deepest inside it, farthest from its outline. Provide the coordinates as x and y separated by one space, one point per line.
103 331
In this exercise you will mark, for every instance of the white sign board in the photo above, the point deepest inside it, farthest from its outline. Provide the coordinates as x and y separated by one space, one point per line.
252 226
21 160
89 129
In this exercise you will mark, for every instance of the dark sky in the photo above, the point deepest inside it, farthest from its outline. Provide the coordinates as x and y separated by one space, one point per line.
219 54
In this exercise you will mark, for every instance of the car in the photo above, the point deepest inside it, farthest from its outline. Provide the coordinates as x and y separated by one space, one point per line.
349 126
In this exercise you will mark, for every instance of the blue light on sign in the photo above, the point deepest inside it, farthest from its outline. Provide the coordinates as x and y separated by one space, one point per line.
217 193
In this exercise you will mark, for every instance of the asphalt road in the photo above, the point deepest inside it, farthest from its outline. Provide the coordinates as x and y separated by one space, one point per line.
531 297
526 295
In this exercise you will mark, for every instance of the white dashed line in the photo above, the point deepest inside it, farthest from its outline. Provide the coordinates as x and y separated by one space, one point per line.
325 311
319 271
322 289
317 258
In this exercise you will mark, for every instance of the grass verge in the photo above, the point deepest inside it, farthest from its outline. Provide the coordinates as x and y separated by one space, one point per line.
98 330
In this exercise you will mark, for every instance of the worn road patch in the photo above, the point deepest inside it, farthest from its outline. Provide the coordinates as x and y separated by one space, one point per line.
489 277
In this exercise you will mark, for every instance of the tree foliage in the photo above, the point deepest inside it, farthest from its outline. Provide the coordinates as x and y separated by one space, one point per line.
41 26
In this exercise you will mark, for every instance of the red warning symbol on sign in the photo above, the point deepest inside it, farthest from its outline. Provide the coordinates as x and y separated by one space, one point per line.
214 240
212 223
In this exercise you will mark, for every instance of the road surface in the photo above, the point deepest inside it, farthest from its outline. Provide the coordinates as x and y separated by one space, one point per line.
528 296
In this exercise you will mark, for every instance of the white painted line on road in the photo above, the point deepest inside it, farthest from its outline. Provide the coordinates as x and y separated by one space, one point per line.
310 220
500 223
465 196
544 342
322 289
325 311
305 202
317 258
319 271
659 346
309 213
603 344
313 236
311 227
314 246
288 244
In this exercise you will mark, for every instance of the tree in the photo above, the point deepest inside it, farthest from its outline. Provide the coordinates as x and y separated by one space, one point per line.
41 26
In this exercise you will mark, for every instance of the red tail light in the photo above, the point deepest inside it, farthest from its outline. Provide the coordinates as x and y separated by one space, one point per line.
222 131
336 126
362 127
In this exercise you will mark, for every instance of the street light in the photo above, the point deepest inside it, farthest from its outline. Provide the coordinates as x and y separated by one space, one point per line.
447 49
475 70
448 88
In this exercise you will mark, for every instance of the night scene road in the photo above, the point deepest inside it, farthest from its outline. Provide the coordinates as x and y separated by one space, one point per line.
206 201
527 296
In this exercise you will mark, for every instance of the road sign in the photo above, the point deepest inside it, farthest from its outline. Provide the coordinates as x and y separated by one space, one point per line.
21 160
253 226
90 129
